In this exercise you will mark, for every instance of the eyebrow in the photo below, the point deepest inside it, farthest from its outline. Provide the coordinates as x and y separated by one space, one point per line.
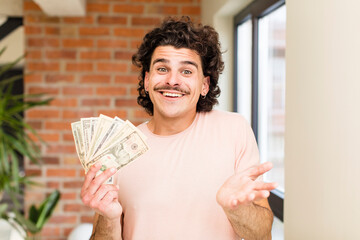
163 60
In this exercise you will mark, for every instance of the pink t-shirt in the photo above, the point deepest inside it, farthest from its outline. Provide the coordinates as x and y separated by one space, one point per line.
169 193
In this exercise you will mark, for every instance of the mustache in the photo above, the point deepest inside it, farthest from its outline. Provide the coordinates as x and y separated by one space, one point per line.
167 87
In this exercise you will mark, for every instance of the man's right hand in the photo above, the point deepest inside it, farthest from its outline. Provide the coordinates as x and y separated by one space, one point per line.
103 198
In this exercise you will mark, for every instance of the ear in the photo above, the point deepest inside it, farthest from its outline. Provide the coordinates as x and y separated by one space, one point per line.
146 81
205 85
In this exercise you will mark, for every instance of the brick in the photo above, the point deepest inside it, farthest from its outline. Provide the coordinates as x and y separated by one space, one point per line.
75 43
126 103
60 54
78 67
32 30
33 78
133 79
111 43
73 184
38 114
69 31
113 113
77 91
134 69
94 55
77 113
41 66
178 1
145 21
49 231
95 102
54 185
69 102
52 30
78 20
45 90
111 67
70 196
95 78
57 125
161 9
37 125
111 91
74 207
60 172
63 219
40 19
68 137
43 42
94 31
57 78
82 173
146 1
134 91
135 44
86 219
128 8
50 160
124 55
111 20
71 160
129 32
97 7
50 137
32 172
191 10
33 54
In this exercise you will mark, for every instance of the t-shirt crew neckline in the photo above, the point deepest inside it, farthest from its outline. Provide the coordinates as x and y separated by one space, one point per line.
173 135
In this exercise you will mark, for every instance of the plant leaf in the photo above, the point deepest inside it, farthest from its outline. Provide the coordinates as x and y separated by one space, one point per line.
47 208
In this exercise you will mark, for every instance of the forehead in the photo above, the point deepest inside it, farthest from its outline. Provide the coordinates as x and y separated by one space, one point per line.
174 55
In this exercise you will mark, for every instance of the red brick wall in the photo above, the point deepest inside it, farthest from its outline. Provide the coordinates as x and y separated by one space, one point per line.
84 63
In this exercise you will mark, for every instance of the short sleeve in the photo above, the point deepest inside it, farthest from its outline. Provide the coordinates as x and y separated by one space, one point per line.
247 150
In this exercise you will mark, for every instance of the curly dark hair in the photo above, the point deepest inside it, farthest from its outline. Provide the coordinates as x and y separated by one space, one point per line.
182 33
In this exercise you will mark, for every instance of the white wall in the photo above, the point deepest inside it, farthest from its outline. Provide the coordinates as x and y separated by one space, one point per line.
220 15
322 161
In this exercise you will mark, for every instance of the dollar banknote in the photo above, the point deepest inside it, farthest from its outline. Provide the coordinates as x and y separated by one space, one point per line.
109 141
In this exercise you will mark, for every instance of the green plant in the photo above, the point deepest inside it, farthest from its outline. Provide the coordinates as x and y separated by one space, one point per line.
16 143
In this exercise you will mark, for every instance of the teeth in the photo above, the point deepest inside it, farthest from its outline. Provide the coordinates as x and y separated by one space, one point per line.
167 94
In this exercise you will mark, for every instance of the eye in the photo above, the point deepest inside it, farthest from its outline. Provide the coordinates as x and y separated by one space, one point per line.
187 72
162 69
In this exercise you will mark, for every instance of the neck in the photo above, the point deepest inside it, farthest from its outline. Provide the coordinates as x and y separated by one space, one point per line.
161 125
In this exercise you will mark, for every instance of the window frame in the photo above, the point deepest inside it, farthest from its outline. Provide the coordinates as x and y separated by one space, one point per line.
254 11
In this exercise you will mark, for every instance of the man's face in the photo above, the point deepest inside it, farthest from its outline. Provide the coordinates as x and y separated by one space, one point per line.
175 82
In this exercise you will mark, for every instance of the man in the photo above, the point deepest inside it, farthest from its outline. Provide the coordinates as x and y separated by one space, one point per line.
199 178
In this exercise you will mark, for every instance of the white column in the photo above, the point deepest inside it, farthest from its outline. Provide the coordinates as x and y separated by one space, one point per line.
322 160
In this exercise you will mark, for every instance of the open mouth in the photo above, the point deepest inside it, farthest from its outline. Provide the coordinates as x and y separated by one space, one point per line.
172 95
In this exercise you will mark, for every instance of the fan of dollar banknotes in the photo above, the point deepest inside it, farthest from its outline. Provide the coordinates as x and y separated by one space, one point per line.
110 141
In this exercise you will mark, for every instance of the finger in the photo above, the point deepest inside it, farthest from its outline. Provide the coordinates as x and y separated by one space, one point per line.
259 195
100 179
107 200
256 171
103 190
90 175
264 186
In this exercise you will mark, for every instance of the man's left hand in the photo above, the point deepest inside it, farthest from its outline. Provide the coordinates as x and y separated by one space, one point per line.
243 189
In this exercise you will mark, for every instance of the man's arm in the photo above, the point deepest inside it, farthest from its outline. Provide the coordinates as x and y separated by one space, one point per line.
244 201
103 198
105 229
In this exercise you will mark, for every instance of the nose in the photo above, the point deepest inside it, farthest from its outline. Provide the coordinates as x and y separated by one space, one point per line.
173 79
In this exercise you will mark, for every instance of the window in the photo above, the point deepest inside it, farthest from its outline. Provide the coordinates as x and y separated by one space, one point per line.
260 84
